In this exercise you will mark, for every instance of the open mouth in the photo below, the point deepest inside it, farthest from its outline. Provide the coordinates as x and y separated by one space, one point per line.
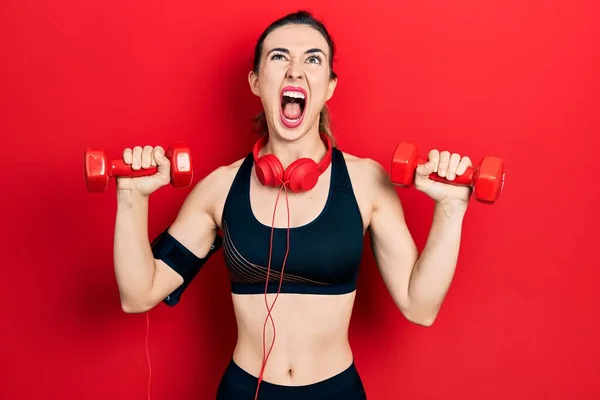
293 103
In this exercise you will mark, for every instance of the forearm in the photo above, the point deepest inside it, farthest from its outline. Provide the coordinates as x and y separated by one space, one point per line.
435 268
133 260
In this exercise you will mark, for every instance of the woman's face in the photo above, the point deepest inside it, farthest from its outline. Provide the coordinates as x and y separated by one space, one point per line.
293 81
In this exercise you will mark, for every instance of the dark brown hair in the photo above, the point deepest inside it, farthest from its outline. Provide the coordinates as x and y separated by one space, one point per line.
298 18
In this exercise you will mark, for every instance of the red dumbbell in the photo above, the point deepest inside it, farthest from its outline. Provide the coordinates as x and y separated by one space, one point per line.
487 179
98 168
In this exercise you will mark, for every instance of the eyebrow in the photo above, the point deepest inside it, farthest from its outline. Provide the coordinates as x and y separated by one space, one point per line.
286 51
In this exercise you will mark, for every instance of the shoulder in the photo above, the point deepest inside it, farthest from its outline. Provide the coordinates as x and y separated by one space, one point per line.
210 192
198 217
221 176
366 172
370 180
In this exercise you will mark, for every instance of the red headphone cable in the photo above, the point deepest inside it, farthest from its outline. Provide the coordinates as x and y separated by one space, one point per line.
269 309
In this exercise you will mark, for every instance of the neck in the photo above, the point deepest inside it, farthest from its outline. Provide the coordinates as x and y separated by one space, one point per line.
310 145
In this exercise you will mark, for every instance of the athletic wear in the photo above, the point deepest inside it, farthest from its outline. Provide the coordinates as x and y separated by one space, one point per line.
168 249
324 255
237 384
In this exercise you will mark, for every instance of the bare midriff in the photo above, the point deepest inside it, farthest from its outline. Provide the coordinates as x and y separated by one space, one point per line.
311 342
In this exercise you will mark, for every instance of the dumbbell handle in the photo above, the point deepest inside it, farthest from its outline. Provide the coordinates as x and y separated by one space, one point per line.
468 178
121 169
465 179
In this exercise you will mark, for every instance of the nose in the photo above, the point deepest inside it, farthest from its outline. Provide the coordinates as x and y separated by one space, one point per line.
295 71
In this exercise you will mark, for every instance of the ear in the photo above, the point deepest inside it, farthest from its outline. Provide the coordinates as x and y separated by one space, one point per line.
331 88
253 81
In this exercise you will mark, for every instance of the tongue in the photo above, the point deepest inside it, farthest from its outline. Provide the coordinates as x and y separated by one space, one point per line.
291 110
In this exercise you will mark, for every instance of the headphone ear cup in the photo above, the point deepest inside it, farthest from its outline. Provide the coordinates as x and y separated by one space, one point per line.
302 175
269 170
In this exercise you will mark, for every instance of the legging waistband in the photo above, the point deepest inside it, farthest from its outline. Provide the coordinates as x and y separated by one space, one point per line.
340 382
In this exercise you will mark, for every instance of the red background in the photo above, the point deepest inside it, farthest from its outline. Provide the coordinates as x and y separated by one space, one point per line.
515 79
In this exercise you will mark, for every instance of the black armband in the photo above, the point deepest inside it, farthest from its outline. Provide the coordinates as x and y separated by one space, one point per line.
168 249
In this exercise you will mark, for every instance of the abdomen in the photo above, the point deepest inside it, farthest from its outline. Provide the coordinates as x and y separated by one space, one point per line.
311 342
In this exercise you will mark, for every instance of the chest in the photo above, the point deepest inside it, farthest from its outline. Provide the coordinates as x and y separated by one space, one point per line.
325 251
318 235
273 207
278 208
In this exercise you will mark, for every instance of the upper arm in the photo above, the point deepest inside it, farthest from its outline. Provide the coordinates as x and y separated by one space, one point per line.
194 227
393 247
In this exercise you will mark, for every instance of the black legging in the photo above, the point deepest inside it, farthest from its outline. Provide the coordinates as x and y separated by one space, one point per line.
237 384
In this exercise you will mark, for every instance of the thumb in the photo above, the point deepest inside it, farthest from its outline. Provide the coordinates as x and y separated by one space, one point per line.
424 170
162 162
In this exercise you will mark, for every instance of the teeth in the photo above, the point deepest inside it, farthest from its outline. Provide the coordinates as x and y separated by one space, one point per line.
297 95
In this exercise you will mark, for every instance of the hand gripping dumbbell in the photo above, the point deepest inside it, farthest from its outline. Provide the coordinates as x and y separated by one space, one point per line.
486 180
98 168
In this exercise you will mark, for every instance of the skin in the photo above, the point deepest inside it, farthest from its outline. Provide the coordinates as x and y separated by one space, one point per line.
312 330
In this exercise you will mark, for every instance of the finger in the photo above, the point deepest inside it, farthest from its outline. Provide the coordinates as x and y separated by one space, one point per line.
434 157
137 158
452 165
464 163
128 156
443 165
146 156
153 161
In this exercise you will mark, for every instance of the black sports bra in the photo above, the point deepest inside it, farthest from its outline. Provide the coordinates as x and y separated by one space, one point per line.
324 255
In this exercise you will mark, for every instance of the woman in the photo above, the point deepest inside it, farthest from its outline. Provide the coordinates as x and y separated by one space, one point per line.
315 237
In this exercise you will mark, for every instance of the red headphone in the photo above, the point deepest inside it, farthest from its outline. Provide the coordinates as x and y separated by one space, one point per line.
301 175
